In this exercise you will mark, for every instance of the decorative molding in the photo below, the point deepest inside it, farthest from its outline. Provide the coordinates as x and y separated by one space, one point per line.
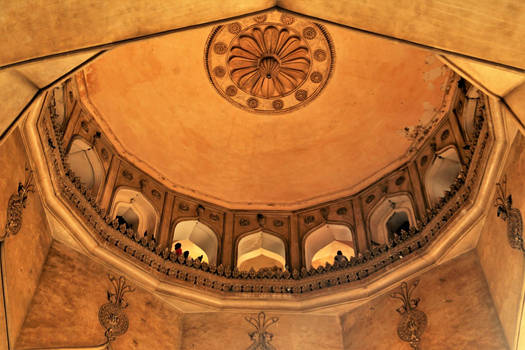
16 205
223 279
111 315
511 215
261 338
272 63
413 322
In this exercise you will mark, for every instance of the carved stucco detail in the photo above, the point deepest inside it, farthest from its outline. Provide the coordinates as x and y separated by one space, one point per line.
16 205
413 322
511 215
272 65
261 338
111 315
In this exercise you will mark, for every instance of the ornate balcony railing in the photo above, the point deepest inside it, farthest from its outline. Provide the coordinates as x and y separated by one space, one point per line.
166 265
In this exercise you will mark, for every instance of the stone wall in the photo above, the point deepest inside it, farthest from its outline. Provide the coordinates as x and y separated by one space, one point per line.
456 300
65 308
217 331
24 253
503 266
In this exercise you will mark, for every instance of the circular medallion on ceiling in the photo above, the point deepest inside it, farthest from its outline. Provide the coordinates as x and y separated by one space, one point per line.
270 64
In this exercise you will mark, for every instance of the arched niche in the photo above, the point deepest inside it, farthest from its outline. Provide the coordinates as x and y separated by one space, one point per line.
136 210
442 173
322 244
468 115
389 216
259 250
198 239
86 164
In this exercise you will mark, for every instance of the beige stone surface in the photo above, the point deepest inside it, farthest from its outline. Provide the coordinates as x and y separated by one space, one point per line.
503 266
24 253
486 29
457 302
217 331
348 136
33 29
65 308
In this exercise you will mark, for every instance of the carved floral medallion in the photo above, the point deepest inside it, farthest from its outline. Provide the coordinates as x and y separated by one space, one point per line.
511 215
111 315
269 64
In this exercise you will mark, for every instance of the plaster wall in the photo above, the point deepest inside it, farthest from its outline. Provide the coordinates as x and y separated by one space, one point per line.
65 308
503 266
457 302
217 331
23 254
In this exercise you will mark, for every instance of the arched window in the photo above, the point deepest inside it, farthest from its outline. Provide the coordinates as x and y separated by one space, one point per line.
132 208
260 249
390 216
198 239
441 174
321 245
86 164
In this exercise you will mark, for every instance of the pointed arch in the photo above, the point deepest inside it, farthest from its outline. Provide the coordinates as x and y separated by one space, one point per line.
322 244
198 238
136 210
387 217
260 249
442 173
86 164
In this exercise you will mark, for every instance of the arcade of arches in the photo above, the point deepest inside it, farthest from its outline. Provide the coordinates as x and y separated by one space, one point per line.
261 176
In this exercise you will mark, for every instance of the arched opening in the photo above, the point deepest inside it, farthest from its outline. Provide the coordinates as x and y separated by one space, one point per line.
86 164
198 239
441 174
321 245
468 114
133 209
389 217
397 222
259 250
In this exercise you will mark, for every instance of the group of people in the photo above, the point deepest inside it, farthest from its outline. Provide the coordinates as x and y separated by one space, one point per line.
186 254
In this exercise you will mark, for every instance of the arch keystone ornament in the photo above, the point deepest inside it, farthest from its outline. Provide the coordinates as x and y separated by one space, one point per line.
413 322
261 337
111 315
275 63
511 215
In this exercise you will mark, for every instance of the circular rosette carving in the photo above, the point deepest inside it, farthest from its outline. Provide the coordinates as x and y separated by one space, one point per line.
268 59
412 325
113 319
269 62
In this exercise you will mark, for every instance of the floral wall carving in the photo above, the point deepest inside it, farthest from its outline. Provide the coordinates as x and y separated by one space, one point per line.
272 63
16 205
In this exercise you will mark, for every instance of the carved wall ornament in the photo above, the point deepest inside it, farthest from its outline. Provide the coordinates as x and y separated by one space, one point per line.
308 219
156 194
423 160
214 217
105 154
84 126
370 198
445 135
127 175
184 207
261 338
111 315
511 215
244 222
342 211
270 63
413 322
15 206
278 223
400 180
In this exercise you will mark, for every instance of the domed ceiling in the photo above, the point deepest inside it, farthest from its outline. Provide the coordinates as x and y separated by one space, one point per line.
166 112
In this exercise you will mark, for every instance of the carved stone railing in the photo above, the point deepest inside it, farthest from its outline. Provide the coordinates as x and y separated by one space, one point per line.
166 265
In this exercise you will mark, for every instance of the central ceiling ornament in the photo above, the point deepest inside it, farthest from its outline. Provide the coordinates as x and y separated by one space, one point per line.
270 63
